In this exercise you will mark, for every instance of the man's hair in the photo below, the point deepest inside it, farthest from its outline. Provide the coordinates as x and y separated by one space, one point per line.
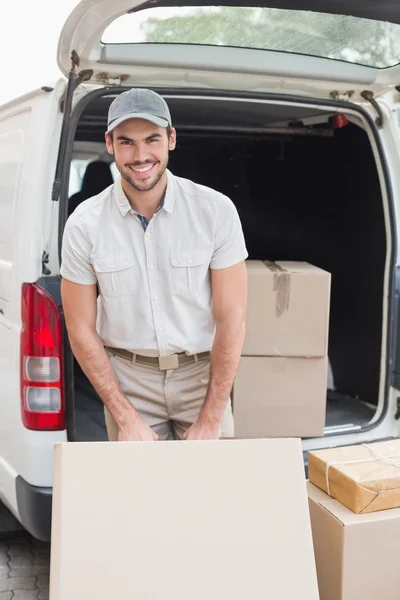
168 129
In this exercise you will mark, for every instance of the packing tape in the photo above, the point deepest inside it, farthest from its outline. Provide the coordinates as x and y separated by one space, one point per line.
282 282
377 456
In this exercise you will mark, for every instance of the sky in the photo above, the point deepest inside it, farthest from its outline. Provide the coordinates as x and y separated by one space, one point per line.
29 31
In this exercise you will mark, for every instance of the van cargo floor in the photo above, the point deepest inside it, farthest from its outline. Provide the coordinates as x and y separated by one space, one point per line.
343 411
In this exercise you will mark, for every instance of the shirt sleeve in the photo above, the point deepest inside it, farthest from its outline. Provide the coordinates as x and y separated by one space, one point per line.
229 242
76 265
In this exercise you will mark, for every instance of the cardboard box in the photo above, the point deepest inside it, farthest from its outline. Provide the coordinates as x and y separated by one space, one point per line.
280 397
181 520
365 478
288 310
357 556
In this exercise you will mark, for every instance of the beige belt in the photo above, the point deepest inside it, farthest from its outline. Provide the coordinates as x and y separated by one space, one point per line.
164 363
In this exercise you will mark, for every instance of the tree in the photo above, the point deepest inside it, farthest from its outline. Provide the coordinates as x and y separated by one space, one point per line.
333 36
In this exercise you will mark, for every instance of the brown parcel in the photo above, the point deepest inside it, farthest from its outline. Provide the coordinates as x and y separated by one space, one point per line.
357 556
365 478
280 397
288 310
200 520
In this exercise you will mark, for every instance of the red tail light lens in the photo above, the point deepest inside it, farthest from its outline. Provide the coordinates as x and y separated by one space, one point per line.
42 390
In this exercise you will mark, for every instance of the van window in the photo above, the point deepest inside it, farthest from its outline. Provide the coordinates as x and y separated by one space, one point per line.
340 37
77 172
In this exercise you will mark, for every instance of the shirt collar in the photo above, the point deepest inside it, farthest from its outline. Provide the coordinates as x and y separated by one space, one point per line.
169 198
120 198
123 202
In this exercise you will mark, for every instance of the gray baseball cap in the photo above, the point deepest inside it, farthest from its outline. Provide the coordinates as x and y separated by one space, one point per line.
138 104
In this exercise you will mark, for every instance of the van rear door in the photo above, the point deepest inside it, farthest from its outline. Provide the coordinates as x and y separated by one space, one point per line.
309 44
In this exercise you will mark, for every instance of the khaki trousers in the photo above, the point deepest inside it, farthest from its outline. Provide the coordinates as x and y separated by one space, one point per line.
165 398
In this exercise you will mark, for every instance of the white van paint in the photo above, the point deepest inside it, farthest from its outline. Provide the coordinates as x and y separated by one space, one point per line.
30 131
29 135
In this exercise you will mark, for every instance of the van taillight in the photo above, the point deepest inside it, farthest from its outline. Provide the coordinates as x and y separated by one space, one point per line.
42 393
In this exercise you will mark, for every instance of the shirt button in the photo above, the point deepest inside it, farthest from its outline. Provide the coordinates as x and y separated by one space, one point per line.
159 329
151 267
190 261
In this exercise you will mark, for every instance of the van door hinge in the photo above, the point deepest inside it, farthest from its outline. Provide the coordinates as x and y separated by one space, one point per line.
397 415
344 96
81 77
369 97
55 192
75 60
110 80
45 261
74 80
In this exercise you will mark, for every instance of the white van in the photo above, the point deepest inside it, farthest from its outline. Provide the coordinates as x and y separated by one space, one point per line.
293 114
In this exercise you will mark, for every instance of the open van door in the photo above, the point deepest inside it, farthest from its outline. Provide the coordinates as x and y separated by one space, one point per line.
330 41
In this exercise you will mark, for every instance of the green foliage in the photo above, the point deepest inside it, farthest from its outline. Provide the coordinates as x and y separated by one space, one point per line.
341 37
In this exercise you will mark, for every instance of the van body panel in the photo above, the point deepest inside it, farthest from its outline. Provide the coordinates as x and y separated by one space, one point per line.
13 132
29 137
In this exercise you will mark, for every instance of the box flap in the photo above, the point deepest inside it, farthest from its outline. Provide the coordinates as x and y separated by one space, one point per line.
300 267
255 266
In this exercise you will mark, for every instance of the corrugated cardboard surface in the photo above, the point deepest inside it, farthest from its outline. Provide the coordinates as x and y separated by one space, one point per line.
280 397
181 520
357 556
365 478
288 309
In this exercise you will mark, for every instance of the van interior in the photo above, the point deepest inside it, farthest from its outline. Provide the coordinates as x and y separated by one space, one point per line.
305 183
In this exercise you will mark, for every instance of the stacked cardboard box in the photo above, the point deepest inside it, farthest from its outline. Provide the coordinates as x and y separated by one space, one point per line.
354 500
365 477
280 388
357 555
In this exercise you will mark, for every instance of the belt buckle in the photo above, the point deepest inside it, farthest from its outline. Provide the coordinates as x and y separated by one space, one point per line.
167 363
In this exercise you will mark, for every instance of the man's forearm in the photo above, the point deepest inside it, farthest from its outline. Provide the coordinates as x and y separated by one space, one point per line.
90 354
225 357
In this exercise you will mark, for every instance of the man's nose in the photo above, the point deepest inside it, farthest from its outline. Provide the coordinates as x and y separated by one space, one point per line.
141 153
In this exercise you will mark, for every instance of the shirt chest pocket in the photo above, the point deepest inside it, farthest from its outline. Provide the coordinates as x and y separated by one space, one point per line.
189 270
116 274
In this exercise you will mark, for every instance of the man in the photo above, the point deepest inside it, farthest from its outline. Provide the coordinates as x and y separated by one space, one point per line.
168 257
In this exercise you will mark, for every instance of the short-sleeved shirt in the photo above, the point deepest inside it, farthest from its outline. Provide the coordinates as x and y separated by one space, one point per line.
155 286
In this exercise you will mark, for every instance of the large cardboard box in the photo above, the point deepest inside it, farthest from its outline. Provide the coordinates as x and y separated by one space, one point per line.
181 520
280 397
288 309
357 556
365 477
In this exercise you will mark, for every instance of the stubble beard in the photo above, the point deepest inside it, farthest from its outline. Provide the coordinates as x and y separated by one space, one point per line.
145 187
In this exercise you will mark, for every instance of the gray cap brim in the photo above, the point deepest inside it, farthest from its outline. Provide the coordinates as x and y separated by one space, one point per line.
156 120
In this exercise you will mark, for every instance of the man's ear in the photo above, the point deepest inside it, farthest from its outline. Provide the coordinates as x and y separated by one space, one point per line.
109 143
172 139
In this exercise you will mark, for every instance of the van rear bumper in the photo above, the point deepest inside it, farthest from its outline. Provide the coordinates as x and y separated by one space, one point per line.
34 507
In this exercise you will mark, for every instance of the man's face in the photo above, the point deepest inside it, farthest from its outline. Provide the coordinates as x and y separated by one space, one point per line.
141 152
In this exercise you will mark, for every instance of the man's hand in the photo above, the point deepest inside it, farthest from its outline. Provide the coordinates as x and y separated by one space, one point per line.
136 431
204 429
